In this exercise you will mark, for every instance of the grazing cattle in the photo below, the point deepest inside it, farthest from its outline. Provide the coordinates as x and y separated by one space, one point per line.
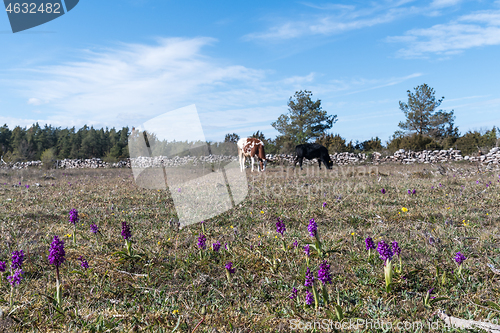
310 151
251 147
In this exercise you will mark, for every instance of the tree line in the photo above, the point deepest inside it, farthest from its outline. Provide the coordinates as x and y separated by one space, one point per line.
27 144
425 127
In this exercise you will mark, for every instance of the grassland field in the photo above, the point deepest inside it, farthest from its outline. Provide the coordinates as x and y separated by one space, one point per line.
171 285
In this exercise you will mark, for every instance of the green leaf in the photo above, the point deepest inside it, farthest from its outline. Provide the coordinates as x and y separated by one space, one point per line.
338 311
493 305
432 301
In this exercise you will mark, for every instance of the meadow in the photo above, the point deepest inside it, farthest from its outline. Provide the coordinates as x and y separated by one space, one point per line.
171 280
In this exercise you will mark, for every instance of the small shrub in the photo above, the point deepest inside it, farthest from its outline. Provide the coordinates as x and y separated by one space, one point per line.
415 142
48 158
109 158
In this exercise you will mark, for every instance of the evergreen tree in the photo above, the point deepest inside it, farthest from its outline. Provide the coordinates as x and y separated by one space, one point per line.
422 117
306 120
232 138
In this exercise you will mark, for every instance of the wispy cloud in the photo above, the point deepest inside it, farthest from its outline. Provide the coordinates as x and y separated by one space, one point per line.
34 101
480 28
337 19
445 3
134 81
299 79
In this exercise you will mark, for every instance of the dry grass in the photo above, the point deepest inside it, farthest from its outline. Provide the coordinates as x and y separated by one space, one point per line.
174 288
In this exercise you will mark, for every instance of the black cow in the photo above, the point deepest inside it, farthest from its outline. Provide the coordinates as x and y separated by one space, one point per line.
310 151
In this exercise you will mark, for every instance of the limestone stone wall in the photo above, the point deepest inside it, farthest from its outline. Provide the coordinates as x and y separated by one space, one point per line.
401 156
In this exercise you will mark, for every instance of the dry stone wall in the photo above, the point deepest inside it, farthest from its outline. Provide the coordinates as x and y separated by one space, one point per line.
438 156
337 158
401 156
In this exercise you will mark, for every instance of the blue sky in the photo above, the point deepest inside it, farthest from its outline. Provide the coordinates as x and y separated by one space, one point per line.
122 62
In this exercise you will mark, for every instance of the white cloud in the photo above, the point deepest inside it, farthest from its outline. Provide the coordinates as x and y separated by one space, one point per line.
34 101
134 82
337 19
445 3
330 6
453 37
299 79
325 25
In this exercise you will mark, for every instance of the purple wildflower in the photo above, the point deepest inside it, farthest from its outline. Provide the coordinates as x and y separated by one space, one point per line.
94 228
73 216
16 278
307 250
324 204
324 273
229 267
3 266
216 246
225 245
126 234
409 191
83 263
396 249
384 251
477 181
414 191
17 259
202 241
57 253
294 293
27 186
370 245
309 278
280 226
295 244
312 228
430 292
309 298
383 190
459 258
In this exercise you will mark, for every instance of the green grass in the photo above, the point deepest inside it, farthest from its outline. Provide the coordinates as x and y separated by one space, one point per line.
174 288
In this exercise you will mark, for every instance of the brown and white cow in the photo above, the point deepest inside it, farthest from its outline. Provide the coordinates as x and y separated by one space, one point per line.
251 147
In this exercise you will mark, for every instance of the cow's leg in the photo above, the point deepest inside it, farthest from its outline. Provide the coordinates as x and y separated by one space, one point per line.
252 159
300 162
319 162
240 155
239 160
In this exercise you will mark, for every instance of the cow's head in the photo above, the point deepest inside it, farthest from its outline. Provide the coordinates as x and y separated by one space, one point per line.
329 165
